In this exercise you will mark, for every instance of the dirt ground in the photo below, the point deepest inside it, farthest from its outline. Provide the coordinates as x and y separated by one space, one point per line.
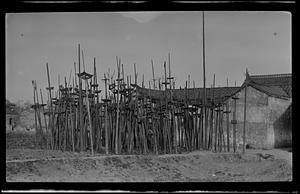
26 163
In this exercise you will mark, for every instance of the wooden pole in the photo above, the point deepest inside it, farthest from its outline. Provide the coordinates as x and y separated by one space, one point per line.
118 111
95 78
154 87
64 122
35 115
217 128
80 116
159 88
44 117
221 128
38 112
245 116
95 100
165 70
213 103
204 78
165 124
51 116
175 126
135 75
72 128
234 124
123 77
227 122
89 115
75 73
83 60
172 121
106 124
211 124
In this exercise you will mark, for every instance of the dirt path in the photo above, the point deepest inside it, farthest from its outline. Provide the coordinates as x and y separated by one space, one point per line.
200 166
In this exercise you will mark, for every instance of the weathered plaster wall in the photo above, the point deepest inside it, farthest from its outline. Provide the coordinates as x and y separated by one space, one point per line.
280 121
256 116
267 125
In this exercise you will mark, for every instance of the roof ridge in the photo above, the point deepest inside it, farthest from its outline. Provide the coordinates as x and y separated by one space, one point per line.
223 87
272 75
258 86
216 87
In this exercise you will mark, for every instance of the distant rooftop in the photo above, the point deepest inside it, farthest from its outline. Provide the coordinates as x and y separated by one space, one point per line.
193 95
277 85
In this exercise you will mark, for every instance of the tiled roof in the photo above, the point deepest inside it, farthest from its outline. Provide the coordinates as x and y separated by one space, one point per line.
275 79
191 94
276 91
277 85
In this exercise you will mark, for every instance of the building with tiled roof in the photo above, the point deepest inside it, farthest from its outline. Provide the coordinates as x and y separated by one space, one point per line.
268 107
268 110
276 85
191 95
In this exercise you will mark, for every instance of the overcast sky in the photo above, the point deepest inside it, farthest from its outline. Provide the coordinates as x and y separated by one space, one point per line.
259 41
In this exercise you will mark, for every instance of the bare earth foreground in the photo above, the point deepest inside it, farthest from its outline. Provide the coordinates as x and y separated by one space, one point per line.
27 164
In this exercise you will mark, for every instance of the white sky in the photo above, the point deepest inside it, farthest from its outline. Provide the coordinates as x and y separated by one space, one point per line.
260 41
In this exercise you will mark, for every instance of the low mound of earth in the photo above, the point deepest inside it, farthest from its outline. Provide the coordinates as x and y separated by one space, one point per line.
200 166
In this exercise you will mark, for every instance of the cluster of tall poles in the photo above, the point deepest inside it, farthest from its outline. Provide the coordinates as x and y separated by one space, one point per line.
128 120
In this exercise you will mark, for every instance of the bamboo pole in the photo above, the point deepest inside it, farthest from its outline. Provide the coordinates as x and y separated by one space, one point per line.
106 124
211 127
172 128
213 103
65 124
35 116
166 104
204 78
216 128
186 124
38 112
159 87
194 134
135 75
75 74
118 111
72 129
234 124
123 81
89 117
51 116
44 117
153 77
80 116
175 125
245 116
221 130
227 122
